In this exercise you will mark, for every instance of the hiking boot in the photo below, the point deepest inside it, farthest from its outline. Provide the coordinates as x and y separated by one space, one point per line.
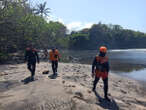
106 98
32 78
93 89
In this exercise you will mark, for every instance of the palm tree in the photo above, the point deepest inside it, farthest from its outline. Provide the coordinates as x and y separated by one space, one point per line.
42 10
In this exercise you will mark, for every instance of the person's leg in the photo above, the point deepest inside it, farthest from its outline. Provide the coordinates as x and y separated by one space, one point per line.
105 81
56 66
95 83
29 67
53 67
33 70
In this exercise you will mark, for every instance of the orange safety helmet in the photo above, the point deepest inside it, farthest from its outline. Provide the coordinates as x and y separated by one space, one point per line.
103 49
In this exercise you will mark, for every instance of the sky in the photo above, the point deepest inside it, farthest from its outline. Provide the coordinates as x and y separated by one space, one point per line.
79 14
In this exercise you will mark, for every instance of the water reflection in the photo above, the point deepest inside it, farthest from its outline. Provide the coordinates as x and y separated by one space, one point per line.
138 75
118 66
132 61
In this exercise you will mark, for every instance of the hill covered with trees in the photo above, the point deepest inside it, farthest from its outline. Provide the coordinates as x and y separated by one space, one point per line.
112 36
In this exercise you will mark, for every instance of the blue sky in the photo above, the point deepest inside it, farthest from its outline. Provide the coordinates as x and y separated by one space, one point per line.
78 14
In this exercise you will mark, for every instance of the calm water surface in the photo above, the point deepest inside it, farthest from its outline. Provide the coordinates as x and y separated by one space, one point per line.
128 62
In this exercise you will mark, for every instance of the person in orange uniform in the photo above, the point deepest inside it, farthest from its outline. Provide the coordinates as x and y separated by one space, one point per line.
54 56
100 69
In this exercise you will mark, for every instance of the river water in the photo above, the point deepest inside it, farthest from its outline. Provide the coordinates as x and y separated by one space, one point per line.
127 62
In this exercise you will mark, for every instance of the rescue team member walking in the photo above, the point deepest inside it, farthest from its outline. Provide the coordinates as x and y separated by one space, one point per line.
54 57
102 68
31 57
45 54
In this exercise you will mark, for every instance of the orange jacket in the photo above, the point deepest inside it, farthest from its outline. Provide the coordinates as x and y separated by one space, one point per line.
54 56
102 66
102 71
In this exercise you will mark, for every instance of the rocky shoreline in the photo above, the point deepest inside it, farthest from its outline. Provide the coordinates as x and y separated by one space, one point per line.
71 90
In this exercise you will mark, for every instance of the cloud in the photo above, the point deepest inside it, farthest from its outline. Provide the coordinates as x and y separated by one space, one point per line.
72 26
54 18
51 18
78 25
88 25
60 20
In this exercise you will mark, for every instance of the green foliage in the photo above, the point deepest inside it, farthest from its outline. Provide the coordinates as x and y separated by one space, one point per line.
112 36
79 41
20 26
42 10
3 57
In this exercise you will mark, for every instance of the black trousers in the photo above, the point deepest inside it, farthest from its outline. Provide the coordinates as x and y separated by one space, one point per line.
31 67
54 66
105 81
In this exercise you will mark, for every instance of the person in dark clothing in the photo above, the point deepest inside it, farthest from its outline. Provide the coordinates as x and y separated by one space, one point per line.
54 56
102 68
45 53
31 57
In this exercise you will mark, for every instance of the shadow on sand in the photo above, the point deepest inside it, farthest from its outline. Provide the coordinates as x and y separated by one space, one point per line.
53 76
27 80
111 105
6 85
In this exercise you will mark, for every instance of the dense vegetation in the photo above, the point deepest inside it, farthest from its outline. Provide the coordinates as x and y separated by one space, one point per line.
113 36
21 25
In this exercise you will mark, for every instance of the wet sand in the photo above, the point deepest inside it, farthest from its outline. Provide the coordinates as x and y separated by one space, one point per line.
71 90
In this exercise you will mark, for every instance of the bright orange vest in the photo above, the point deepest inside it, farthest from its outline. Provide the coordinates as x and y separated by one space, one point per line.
102 73
54 56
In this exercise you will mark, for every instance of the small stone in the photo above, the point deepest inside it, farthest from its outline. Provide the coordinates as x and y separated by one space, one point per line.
79 94
119 81
63 82
78 70
100 85
73 86
89 91
123 91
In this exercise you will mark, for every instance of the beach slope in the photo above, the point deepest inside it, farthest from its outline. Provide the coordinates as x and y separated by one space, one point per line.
71 90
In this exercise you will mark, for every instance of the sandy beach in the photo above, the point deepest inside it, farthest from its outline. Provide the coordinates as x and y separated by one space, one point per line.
71 90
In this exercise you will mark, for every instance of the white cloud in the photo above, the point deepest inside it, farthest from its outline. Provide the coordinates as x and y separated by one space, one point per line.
78 25
88 25
51 18
60 20
73 26
54 18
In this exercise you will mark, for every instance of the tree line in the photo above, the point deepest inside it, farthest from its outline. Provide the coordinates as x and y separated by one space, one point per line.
112 36
21 24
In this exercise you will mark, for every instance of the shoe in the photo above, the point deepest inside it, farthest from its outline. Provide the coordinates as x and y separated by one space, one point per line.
93 89
106 98
32 78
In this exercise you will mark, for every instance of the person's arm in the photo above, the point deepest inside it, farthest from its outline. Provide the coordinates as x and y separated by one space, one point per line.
107 66
58 56
37 56
93 66
25 55
49 55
